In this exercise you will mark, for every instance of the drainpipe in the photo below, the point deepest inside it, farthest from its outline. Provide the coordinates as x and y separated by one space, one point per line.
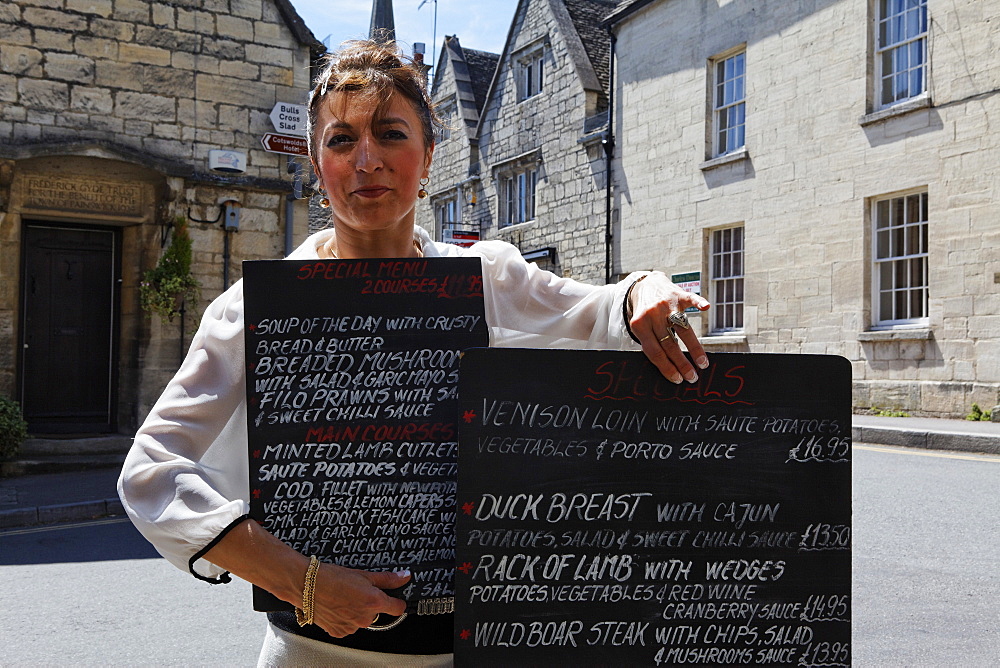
230 224
295 168
181 352
225 260
609 152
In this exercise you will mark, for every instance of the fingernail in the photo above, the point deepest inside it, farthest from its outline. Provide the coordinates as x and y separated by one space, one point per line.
676 379
702 362
692 378
403 573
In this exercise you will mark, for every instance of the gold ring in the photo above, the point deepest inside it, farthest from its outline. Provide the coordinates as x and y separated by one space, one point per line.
670 335
385 627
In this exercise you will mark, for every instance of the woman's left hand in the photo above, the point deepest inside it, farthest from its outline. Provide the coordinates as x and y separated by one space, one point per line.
654 300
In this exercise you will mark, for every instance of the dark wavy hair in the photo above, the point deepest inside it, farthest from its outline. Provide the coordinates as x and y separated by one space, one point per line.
376 71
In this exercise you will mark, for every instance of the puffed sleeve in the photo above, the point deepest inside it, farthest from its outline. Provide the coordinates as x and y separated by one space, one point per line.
529 307
184 482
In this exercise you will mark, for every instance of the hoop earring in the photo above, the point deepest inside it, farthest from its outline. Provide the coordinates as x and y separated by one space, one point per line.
422 193
325 202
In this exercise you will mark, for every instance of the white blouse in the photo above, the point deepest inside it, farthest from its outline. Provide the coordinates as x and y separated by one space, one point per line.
186 477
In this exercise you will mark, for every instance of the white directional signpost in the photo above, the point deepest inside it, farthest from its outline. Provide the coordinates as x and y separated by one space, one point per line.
289 119
290 122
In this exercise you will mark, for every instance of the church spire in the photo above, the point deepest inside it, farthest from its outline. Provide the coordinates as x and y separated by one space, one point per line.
383 26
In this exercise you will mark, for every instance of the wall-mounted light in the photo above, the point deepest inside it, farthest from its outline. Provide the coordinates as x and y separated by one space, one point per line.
469 194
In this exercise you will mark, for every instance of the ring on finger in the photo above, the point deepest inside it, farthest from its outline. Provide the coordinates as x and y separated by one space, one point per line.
669 335
387 626
679 319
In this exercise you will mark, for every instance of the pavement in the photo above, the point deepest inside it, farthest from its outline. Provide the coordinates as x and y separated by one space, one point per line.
44 487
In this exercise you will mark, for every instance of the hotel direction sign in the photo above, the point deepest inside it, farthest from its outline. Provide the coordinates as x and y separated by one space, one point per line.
287 144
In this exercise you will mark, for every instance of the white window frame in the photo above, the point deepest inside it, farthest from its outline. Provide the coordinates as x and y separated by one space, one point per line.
447 212
530 71
901 29
900 279
517 193
728 102
446 112
726 264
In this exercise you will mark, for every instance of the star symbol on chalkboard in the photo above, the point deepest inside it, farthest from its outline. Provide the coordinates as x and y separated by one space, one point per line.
256 494
253 328
464 635
468 507
465 568
256 454
469 416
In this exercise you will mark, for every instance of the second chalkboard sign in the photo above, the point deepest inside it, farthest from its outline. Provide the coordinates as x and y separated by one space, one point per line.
608 517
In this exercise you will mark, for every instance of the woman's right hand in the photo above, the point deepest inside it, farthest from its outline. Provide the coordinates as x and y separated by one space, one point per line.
346 599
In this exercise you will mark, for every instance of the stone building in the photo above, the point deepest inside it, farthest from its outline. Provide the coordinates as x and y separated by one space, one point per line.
462 79
829 170
108 112
536 167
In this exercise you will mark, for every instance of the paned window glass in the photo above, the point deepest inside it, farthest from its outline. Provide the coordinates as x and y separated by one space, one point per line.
530 75
901 260
729 103
901 52
446 213
727 280
517 196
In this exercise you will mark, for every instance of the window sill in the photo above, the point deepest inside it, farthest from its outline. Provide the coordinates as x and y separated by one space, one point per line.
514 226
727 159
723 340
916 104
532 157
593 138
914 334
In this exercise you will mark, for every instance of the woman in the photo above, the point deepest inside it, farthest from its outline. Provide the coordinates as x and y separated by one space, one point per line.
184 483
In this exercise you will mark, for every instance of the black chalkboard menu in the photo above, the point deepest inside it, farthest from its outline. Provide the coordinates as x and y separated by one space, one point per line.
352 374
609 517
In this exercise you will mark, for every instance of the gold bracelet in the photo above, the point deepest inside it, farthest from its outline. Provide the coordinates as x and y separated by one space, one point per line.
304 615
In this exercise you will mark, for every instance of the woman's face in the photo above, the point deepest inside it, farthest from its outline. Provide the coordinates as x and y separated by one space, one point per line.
370 167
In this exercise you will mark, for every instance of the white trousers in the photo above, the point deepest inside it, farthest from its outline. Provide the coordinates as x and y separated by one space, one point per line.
282 650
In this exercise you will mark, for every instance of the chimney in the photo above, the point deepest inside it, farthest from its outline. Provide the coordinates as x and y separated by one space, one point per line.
419 49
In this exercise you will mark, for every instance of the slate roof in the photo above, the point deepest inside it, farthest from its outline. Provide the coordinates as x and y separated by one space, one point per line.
482 65
587 16
298 26
625 8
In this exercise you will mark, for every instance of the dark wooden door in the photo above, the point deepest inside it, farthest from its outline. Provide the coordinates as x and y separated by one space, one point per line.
68 329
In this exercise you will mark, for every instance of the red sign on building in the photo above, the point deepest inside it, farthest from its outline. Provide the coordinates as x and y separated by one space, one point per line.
460 237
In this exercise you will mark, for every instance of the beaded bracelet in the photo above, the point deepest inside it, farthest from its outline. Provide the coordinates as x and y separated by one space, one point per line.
304 615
